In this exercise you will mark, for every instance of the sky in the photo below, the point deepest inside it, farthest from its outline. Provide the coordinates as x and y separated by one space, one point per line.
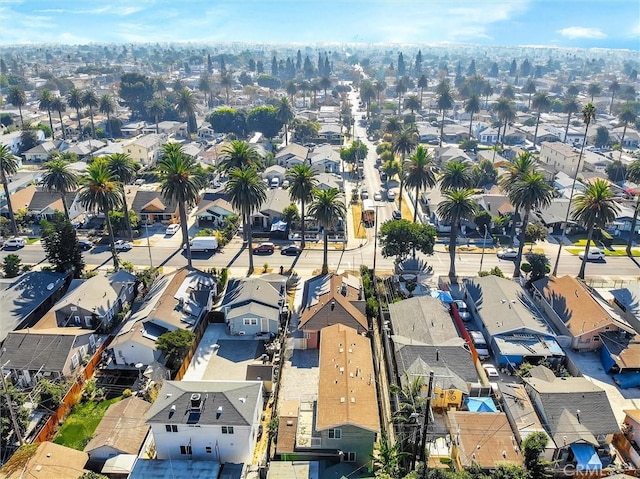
564 23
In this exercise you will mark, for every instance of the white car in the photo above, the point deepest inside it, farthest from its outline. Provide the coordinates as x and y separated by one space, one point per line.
391 195
509 253
172 229
377 196
595 254
491 370
364 194
122 245
14 243
463 311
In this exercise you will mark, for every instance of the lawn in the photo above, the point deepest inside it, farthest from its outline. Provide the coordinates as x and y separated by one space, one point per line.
360 231
82 422
635 252
32 240
406 212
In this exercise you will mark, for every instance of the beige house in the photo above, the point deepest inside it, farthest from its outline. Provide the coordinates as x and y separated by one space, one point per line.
560 157
145 149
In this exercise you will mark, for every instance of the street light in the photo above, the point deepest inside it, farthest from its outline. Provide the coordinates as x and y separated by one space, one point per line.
146 226
484 244
375 240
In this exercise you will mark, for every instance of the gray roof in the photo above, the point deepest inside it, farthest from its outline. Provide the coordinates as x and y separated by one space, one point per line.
236 398
250 290
504 307
43 198
96 292
277 200
519 407
423 320
22 297
34 351
556 212
261 310
629 297
174 469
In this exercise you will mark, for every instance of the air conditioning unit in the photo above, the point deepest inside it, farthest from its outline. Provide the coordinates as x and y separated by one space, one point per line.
242 333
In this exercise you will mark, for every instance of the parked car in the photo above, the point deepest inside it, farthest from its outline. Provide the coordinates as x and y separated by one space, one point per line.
491 370
291 250
508 253
85 244
396 215
479 344
377 196
14 243
267 248
172 229
122 245
595 254
364 194
463 310
391 195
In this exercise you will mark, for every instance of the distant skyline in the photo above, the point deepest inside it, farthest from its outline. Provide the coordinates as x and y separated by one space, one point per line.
563 23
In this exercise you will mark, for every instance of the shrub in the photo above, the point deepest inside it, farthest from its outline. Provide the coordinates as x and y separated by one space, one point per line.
11 265
371 307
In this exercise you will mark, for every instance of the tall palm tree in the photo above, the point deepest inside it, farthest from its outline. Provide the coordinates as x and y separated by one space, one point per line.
569 106
487 91
156 109
613 88
520 167
180 181
403 144
419 174
506 113
393 125
529 192
633 175
59 105
74 100
327 208
123 169
594 89
292 89
17 97
8 166
101 192
457 175
204 85
302 182
90 100
627 115
379 86
325 84
367 93
422 84
456 206
226 81
401 89
472 106
444 102
412 102
304 87
186 106
107 107
530 89
595 208
541 102
285 115
246 192
238 154
388 458
44 103
60 178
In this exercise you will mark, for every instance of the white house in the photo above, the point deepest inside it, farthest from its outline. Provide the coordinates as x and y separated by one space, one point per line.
206 420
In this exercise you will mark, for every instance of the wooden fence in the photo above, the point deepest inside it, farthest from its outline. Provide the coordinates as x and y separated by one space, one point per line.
199 332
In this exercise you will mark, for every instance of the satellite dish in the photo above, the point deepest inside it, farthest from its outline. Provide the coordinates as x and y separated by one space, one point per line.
139 365
50 286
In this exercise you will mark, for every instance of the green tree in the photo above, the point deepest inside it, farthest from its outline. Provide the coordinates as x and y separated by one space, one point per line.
50 394
398 238
569 106
11 265
175 345
482 221
291 214
593 89
90 100
238 154
292 89
614 88
327 208
388 458
484 173
44 103
533 448
456 176
616 171
505 109
204 85
403 144
412 102
8 166
422 84
123 169
627 115
535 232
530 89
107 107
92 475
302 182
285 115
444 102
595 208
264 119
472 106
538 266
541 102
602 137
18 98
58 105
180 181
18 400
136 90
393 126
516 170
458 204
419 173
186 106
156 109
391 168
226 81
74 100
60 244
633 175
60 178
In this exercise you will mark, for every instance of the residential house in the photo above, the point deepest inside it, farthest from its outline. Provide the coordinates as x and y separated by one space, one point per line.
145 150
42 204
631 137
122 430
329 180
446 154
28 298
544 134
292 154
328 300
631 428
175 469
272 209
626 302
553 216
48 461
560 157
40 153
488 136
153 207
513 136
577 415
275 171
484 439
253 306
511 322
620 353
212 213
427 132
331 133
206 420
455 133
131 130
179 300
325 159
574 312
169 129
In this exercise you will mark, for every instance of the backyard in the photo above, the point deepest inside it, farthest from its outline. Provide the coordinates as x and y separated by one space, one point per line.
79 426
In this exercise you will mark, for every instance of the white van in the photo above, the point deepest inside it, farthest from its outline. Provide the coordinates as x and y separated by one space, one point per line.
275 182
595 254
480 344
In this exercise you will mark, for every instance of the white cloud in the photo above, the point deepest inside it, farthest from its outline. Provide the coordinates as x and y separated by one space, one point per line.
582 32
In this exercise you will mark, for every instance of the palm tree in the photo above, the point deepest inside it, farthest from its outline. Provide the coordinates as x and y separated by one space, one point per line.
74 99
530 89
487 91
327 208
456 206
391 168
302 182
613 88
204 85
181 182
246 192
401 89
403 145
569 106
422 84
627 115
379 86
529 192
541 102
107 107
304 88
285 115
506 113
226 81
315 88
90 100
325 84
156 108
419 174
594 89
367 93
633 175
508 92
388 458
444 102
44 103
472 106
238 154
393 125
292 89
101 192
8 166
17 97
456 176
595 208
186 106
123 169
520 167
59 105
59 178
412 102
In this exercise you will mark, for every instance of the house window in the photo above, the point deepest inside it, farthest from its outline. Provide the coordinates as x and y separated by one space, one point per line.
349 457
74 361
596 338
227 429
335 433
185 450
250 321
208 449
171 427
87 321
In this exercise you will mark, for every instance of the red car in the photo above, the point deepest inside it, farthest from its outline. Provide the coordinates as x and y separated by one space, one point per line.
267 248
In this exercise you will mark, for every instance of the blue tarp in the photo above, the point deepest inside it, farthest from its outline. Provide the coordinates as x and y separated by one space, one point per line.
627 380
586 457
279 226
481 405
444 296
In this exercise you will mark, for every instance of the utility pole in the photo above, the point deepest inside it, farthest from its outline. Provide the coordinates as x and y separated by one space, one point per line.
375 241
425 425
12 413
484 244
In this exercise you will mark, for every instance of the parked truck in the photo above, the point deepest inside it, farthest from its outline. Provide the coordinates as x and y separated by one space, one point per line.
204 243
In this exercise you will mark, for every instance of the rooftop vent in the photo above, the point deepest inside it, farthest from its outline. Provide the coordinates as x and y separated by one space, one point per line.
196 401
